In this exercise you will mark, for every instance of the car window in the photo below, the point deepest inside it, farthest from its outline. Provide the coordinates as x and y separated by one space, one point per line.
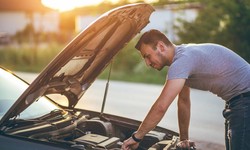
11 88
41 107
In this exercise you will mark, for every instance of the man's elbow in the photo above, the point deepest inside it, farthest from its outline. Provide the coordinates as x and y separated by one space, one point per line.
160 108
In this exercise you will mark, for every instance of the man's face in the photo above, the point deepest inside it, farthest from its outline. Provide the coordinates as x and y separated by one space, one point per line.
153 58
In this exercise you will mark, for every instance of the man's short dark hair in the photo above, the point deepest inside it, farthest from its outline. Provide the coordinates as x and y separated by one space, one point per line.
151 38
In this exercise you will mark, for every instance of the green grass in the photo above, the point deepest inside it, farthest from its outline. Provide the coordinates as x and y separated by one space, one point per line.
151 76
28 58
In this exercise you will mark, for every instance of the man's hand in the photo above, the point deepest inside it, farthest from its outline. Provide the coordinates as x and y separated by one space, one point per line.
186 145
130 144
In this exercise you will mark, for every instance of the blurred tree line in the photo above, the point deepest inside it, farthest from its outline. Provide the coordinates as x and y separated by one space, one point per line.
223 22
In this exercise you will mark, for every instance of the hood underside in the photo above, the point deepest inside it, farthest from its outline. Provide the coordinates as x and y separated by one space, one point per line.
85 57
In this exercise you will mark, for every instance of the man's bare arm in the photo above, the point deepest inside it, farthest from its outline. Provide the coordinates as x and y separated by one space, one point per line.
184 112
171 89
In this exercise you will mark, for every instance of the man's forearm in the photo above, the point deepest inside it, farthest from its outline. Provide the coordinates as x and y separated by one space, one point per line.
184 118
152 119
184 113
157 111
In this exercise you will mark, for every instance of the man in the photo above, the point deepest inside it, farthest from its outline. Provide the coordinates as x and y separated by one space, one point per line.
209 67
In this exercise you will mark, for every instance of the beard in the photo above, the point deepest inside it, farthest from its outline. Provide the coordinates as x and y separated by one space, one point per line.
161 61
160 68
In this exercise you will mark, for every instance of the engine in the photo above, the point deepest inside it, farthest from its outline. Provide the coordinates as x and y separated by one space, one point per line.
89 132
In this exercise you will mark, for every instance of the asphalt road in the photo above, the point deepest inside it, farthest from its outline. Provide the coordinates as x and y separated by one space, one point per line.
133 100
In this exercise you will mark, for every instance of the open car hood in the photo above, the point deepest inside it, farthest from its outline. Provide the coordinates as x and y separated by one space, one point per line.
85 57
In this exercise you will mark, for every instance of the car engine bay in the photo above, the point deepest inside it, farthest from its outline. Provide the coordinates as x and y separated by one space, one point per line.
88 130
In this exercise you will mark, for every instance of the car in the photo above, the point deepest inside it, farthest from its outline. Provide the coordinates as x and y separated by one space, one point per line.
32 119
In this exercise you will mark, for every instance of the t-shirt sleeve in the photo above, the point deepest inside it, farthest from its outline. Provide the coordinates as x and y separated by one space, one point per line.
180 68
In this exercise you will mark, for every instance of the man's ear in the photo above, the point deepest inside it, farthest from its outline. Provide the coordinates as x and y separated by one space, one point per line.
161 46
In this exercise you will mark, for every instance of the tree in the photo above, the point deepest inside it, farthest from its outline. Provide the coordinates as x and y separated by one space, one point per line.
223 22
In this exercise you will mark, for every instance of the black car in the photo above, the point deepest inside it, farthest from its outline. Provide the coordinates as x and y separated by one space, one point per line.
32 120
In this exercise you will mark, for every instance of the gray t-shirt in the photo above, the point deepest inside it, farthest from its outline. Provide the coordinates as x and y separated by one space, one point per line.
211 67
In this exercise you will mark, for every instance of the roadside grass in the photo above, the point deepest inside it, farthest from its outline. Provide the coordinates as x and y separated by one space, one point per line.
151 76
28 58
127 65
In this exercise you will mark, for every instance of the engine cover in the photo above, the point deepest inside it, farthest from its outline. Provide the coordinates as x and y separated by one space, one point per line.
98 141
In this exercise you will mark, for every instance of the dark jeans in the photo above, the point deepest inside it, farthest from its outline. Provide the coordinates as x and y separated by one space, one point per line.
237 124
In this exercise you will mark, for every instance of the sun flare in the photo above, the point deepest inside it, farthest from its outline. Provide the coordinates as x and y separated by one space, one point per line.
65 5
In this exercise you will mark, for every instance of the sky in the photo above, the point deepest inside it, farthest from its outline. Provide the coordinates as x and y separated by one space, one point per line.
65 5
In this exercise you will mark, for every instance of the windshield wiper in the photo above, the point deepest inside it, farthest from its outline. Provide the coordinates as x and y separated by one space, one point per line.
53 115
14 123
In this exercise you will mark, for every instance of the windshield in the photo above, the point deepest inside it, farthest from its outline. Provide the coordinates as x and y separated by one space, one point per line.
11 88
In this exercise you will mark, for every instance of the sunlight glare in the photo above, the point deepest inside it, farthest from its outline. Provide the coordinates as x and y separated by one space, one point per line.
65 5
146 1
